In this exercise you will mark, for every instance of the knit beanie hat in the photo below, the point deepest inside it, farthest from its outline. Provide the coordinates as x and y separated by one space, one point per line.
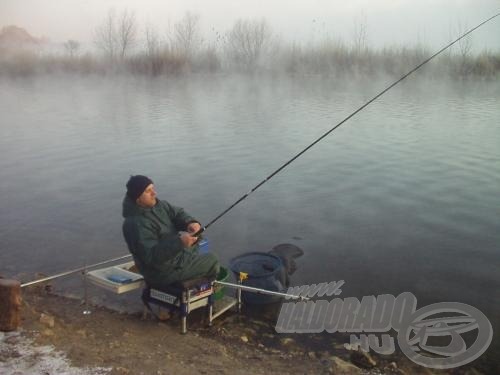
136 186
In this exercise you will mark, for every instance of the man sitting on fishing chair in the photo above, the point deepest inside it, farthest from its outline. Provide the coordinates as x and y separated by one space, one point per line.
160 238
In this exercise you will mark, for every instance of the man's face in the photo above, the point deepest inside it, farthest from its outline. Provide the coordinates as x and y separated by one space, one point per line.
148 197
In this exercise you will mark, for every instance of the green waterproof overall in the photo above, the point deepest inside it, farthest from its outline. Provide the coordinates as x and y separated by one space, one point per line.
152 238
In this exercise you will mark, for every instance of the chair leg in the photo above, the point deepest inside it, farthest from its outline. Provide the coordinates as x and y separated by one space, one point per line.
184 310
238 296
210 309
183 324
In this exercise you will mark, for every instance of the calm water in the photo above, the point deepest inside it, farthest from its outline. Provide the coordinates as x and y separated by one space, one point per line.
404 197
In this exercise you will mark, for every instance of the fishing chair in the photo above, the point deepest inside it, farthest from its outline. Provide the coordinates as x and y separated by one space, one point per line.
182 297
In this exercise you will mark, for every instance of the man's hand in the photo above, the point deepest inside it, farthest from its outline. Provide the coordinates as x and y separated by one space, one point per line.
193 227
187 240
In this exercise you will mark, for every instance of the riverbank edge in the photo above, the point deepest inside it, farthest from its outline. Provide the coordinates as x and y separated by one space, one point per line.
107 341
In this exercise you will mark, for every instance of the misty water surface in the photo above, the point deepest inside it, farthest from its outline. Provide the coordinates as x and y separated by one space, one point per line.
404 197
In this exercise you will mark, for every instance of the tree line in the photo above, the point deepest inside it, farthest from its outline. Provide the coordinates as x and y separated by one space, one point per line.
249 46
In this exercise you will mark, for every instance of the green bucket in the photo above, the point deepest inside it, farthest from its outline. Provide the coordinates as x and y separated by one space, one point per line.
219 290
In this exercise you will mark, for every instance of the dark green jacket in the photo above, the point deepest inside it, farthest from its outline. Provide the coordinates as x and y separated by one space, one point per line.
152 238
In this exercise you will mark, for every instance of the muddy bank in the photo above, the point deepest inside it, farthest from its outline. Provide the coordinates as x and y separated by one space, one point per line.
56 337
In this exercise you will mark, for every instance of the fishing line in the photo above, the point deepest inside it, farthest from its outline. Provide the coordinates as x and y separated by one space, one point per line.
339 124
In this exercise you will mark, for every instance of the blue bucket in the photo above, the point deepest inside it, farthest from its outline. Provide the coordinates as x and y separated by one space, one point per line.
265 271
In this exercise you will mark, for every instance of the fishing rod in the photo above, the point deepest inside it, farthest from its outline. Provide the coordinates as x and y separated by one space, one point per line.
283 166
339 124
76 270
261 291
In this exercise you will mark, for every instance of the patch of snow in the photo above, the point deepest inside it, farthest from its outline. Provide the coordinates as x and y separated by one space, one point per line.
19 355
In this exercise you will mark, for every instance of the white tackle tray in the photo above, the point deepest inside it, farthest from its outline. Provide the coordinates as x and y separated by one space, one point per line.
117 279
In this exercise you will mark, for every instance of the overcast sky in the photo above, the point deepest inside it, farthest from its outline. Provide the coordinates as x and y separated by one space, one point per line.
388 22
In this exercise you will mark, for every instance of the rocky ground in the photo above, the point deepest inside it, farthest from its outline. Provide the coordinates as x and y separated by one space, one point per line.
57 338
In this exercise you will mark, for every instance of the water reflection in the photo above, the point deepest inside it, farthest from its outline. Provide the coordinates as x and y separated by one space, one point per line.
401 198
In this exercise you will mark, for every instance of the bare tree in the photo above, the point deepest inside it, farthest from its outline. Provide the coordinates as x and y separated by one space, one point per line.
464 44
152 41
187 39
72 47
105 36
116 35
360 36
153 50
127 31
460 60
247 41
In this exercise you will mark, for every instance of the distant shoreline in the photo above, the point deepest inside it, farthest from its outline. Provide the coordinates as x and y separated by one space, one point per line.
249 47
328 63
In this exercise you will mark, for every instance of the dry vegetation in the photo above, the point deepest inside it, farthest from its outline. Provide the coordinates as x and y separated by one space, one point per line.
122 46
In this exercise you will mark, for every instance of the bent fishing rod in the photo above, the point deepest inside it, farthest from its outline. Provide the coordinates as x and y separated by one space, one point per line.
290 161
